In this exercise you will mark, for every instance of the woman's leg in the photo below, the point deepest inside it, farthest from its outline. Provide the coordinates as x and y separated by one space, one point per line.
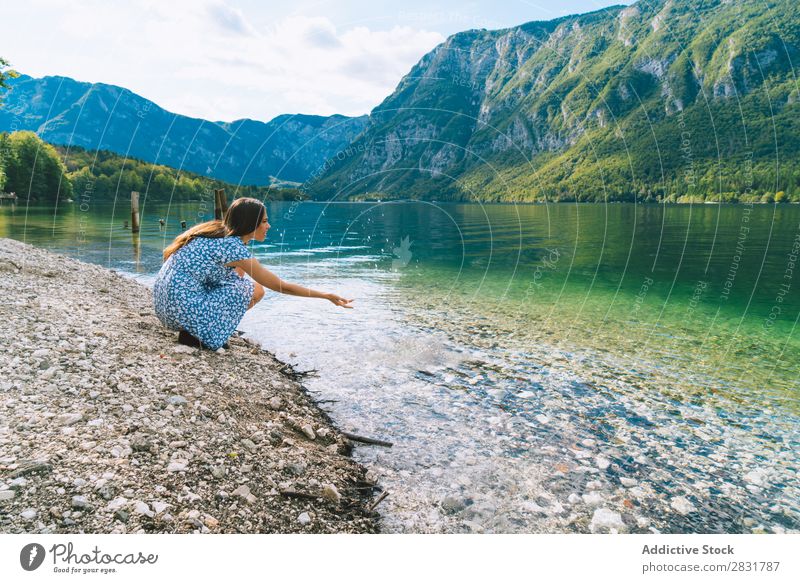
258 294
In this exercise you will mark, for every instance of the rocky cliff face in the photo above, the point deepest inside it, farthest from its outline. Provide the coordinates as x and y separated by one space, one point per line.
513 114
99 116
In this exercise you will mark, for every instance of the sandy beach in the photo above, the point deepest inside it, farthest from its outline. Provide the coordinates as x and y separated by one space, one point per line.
109 426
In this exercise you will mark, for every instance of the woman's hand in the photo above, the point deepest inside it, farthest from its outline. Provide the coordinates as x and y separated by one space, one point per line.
271 281
337 300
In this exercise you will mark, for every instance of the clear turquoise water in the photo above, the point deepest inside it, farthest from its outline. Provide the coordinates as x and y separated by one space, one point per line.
522 356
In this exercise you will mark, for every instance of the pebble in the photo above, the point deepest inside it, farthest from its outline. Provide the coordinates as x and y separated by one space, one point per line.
159 507
452 504
331 494
140 507
304 518
243 492
177 466
602 462
604 518
31 467
18 483
69 419
79 502
116 504
756 477
29 514
682 505
6 495
593 499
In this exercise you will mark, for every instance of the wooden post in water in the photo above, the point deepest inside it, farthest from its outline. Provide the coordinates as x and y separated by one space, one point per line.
134 212
220 203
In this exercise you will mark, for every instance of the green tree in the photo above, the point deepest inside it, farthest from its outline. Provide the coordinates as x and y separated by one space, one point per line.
33 169
5 75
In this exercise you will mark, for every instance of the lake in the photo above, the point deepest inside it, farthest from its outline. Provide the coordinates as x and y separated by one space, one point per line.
531 363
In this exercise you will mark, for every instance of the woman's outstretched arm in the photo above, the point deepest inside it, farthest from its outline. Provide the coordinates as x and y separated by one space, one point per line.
271 281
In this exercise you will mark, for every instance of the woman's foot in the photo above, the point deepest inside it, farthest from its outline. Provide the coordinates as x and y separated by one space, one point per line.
187 339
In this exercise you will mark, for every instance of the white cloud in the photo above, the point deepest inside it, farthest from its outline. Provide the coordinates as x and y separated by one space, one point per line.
208 59
228 19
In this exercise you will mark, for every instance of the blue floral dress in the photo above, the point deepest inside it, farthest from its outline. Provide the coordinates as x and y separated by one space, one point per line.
196 292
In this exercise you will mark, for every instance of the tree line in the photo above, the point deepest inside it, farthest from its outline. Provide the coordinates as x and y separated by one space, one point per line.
43 173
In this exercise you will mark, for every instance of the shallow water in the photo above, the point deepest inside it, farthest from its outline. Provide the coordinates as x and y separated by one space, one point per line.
531 363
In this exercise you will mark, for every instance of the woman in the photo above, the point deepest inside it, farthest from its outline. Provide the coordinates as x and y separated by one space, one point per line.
201 289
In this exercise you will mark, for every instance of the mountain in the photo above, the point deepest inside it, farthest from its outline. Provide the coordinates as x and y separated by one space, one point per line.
105 117
662 99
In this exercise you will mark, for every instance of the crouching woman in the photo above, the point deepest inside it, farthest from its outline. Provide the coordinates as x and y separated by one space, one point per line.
201 290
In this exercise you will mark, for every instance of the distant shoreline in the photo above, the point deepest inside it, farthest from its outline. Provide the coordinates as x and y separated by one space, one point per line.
20 202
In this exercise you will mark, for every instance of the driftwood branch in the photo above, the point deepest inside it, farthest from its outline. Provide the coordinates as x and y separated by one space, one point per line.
380 499
298 494
369 440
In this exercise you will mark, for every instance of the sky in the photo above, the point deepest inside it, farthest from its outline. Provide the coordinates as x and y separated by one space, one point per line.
223 60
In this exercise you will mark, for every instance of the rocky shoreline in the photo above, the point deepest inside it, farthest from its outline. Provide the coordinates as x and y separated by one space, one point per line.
109 426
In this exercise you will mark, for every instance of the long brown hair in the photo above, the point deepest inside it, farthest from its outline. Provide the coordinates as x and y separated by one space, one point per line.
242 218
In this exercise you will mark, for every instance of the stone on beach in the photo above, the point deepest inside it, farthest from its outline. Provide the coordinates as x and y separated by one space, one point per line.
603 518
29 514
69 418
244 493
177 466
80 502
331 494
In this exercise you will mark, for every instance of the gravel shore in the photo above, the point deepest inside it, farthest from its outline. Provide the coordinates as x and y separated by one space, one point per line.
107 425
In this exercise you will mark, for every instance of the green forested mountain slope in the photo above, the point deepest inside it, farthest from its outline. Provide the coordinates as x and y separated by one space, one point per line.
664 99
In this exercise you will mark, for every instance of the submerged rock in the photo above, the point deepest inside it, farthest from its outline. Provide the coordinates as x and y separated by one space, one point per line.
605 519
682 505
